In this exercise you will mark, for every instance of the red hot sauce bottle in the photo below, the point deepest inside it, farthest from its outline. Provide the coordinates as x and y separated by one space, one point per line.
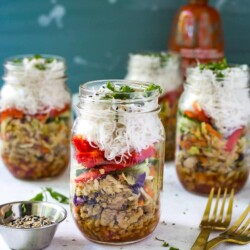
197 34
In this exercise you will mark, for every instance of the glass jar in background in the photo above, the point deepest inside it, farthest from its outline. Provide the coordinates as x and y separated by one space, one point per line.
35 117
117 157
164 69
213 128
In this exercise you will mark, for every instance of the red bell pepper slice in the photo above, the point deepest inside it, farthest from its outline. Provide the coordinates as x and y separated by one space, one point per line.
57 112
81 144
93 174
233 138
90 159
137 157
13 112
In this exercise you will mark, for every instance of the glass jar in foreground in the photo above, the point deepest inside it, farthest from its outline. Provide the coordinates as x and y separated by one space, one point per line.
164 69
213 128
117 158
35 117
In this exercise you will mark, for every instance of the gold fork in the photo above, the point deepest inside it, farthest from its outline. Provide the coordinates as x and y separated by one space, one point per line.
237 233
219 222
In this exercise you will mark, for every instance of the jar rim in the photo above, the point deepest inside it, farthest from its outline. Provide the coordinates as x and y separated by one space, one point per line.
86 93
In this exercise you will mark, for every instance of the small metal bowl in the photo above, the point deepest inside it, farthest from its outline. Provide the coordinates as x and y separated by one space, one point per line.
30 238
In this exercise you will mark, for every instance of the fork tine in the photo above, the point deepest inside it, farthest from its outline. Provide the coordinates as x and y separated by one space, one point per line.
216 205
230 207
209 203
243 228
247 232
222 206
239 221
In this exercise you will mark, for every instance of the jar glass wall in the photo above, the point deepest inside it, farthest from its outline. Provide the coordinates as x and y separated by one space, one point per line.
213 128
163 69
117 158
35 117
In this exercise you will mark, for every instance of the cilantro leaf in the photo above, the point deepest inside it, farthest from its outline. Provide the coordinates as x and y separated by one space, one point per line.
8 213
163 57
37 56
110 86
40 66
17 60
23 208
165 244
49 60
173 248
57 196
126 89
152 87
38 197
216 67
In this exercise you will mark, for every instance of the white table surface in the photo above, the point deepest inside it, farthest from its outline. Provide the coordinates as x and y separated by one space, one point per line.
181 212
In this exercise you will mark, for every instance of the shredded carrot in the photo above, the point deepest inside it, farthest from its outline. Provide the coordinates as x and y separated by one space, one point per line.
152 171
202 159
140 203
76 209
149 191
212 131
185 144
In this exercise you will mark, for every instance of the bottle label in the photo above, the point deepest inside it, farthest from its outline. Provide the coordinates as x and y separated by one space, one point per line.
200 54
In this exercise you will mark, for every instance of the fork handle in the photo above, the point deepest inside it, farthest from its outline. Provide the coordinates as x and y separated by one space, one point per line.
201 241
214 242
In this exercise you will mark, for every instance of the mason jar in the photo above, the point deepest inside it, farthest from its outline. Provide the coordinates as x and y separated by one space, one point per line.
164 69
35 116
117 157
213 128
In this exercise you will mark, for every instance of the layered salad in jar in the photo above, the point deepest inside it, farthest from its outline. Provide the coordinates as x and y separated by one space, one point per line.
35 117
164 69
213 128
117 157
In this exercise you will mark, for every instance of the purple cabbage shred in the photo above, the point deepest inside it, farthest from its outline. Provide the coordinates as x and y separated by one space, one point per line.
139 183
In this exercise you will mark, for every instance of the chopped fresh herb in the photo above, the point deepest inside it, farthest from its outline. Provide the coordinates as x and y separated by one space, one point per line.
8 213
153 87
49 60
37 56
124 92
216 67
219 75
165 244
126 89
17 60
57 196
110 86
121 93
23 208
163 57
38 197
40 66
